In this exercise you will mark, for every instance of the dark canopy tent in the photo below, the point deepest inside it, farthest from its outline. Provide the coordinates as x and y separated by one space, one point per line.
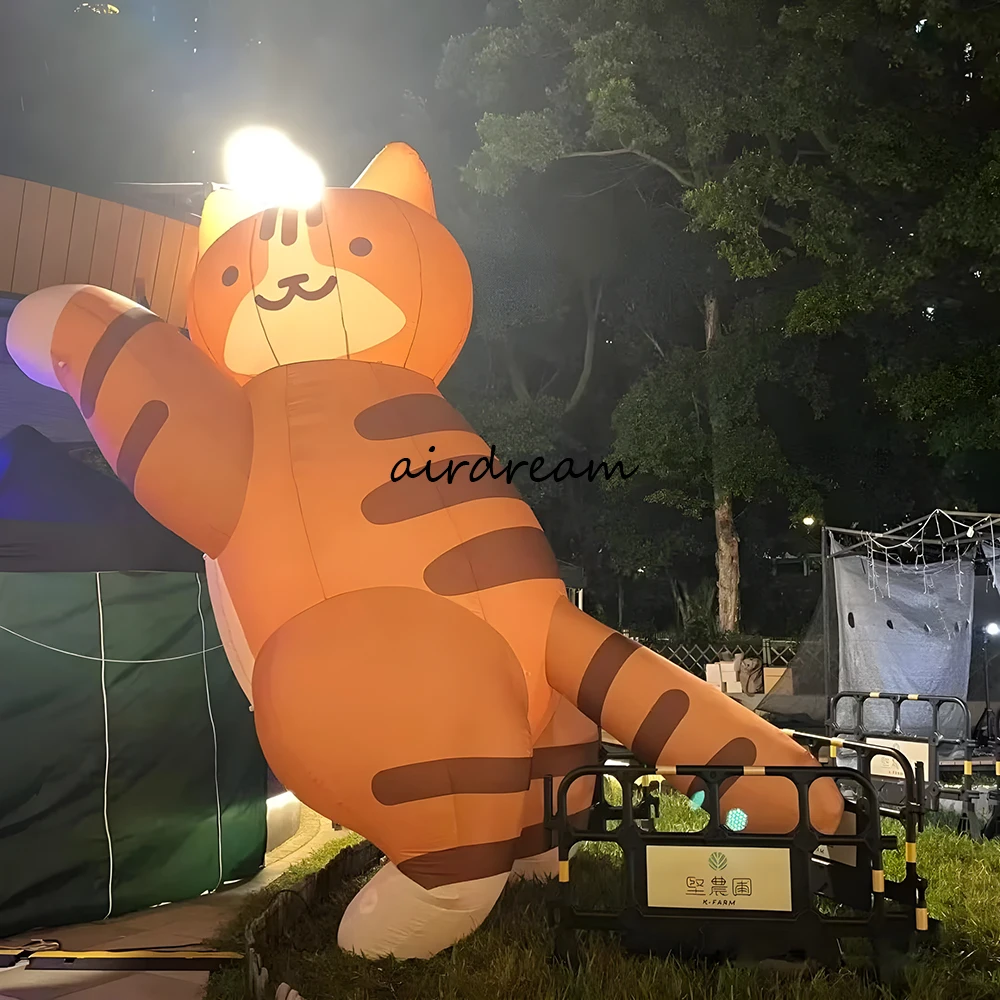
131 771
59 515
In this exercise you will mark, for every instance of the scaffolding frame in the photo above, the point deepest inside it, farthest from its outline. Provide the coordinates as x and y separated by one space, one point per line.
978 528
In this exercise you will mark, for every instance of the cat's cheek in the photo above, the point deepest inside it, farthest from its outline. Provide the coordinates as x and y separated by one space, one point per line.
247 351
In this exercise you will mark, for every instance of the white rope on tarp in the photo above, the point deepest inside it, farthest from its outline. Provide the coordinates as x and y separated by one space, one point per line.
215 735
107 748
101 659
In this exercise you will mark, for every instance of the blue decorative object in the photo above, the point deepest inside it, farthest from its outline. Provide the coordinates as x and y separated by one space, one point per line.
736 820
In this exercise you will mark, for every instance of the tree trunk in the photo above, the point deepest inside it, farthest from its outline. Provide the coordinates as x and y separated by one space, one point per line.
727 561
592 306
727 541
517 383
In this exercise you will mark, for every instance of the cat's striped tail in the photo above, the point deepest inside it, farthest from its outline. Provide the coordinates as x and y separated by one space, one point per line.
667 716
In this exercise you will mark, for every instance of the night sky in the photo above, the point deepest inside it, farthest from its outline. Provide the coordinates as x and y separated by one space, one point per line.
151 93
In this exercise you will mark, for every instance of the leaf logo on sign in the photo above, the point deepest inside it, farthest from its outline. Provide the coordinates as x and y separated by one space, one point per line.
717 861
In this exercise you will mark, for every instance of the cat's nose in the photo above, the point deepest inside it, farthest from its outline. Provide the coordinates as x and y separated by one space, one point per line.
293 281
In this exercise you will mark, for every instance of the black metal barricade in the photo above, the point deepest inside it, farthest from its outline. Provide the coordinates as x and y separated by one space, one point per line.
934 787
893 915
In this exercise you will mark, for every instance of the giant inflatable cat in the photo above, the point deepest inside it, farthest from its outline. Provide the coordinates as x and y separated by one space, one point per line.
413 662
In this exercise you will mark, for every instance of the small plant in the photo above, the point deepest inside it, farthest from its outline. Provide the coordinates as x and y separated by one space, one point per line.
697 616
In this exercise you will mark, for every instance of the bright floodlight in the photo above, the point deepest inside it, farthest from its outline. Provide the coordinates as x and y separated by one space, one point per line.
808 520
993 629
737 820
264 165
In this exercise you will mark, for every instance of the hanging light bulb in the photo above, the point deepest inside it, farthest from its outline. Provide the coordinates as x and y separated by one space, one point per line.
265 166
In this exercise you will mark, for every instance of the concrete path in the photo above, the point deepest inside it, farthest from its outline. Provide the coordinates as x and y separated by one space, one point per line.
188 923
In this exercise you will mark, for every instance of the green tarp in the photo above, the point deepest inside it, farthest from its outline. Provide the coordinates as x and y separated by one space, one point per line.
130 773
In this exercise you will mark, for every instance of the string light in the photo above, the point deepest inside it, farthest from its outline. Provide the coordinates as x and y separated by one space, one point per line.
927 531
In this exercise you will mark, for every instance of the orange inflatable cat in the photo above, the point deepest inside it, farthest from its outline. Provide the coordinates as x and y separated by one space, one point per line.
416 666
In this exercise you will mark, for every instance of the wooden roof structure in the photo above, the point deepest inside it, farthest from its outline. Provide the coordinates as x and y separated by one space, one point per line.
50 236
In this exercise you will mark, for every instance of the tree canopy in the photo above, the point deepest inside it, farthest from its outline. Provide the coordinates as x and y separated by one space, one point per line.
824 170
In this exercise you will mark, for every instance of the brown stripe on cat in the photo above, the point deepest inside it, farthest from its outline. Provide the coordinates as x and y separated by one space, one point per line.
147 424
314 215
659 725
430 779
289 226
740 752
601 671
407 498
507 555
535 839
559 761
408 416
268 223
460 864
102 357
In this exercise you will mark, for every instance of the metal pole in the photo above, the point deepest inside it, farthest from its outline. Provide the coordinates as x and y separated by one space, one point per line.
824 565
986 682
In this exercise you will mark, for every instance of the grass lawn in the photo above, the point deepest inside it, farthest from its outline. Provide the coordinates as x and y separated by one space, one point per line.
510 955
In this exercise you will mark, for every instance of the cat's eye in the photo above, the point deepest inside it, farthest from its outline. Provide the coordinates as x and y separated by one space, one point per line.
230 276
361 247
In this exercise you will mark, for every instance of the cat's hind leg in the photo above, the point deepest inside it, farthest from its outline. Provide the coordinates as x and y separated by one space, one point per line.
569 741
403 716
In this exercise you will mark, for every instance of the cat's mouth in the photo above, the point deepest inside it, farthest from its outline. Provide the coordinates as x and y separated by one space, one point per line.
293 290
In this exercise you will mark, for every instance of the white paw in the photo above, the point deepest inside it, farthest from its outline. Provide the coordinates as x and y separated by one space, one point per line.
540 867
30 329
392 915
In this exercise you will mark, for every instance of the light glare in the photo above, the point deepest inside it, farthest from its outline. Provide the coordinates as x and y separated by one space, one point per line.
993 629
266 167
808 520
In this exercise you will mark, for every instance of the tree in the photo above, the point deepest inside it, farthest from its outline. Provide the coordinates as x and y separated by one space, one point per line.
843 152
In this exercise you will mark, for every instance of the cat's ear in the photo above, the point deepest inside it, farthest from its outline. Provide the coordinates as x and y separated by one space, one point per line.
400 172
223 209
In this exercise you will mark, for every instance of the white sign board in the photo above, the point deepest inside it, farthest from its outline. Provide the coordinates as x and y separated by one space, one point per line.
740 878
887 767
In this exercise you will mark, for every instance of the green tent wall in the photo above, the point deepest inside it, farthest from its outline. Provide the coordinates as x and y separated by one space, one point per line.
130 772
126 781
